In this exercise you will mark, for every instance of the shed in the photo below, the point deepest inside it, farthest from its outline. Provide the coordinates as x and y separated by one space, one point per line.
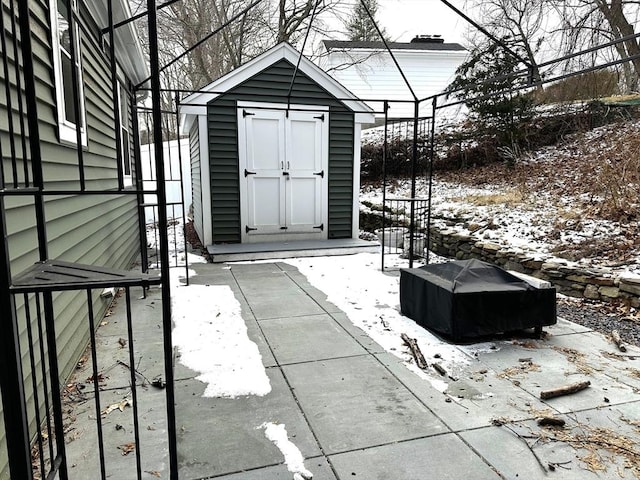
275 153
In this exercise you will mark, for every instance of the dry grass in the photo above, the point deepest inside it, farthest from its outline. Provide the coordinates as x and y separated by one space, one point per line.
602 168
519 371
603 447
597 448
510 197
576 358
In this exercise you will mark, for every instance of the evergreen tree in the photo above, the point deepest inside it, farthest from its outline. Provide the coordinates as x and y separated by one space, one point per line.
489 88
360 27
487 81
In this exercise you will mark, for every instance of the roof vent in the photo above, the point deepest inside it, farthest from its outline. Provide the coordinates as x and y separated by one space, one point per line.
427 39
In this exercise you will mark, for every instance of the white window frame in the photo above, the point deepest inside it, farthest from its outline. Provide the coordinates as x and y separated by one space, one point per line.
123 125
67 129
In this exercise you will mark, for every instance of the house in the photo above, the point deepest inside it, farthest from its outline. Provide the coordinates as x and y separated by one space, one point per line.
86 143
367 69
275 153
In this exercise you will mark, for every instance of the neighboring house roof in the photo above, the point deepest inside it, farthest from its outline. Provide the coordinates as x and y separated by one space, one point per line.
430 46
194 103
128 48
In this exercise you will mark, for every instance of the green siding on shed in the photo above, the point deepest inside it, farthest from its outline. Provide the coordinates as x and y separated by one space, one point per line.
271 86
98 230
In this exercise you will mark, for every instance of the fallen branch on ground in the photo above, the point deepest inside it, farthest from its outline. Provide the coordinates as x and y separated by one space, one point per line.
439 368
412 343
564 390
135 371
524 440
615 336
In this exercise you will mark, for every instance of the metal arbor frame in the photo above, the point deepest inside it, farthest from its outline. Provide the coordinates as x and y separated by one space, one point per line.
21 175
35 288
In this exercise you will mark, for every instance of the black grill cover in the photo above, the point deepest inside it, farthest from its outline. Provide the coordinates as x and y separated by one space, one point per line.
471 298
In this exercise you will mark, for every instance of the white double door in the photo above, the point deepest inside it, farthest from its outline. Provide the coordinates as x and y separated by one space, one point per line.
283 173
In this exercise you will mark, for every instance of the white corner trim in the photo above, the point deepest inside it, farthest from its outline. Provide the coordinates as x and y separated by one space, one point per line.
361 118
242 163
205 181
355 222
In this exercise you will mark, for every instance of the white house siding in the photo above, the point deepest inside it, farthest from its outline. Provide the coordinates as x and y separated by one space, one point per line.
173 157
372 75
196 182
98 230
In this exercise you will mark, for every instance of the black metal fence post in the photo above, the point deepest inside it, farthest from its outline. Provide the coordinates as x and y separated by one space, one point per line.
432 149
414 169
13 396
164 241
384 179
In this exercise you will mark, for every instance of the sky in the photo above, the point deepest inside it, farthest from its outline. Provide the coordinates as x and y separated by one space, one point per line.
404 19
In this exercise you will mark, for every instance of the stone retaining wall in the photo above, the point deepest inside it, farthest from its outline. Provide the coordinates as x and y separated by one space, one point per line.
569 278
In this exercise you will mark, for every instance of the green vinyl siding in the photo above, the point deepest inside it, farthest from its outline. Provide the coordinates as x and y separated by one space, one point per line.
341 131
97 230
272 86
224 175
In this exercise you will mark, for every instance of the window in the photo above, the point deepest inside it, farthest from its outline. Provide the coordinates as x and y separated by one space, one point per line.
125 134
64 70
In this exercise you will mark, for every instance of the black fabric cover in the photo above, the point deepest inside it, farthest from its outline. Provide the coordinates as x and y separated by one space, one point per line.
471 298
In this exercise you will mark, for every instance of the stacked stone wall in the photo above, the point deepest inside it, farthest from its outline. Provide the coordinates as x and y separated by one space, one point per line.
595 283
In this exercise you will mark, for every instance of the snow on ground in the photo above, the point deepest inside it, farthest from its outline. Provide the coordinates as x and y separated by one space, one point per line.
293 458
212 339
370 298
576 200
535 224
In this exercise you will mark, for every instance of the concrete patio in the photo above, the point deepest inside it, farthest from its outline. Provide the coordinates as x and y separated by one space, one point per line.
355 410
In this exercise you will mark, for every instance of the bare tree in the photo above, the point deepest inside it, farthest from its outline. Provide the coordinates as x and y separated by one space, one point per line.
588 23
521 22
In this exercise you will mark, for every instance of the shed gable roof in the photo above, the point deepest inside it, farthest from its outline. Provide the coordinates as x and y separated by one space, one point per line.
195 103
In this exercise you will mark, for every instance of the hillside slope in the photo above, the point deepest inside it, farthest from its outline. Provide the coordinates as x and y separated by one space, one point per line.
578 200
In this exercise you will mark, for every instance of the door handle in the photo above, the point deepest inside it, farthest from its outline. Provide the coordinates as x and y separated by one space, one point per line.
286 174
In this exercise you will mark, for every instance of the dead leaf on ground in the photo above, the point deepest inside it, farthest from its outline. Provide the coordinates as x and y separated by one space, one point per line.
155 473
127 448
118 406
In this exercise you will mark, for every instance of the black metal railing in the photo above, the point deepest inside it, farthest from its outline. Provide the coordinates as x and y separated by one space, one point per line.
405 231
34 362
406 220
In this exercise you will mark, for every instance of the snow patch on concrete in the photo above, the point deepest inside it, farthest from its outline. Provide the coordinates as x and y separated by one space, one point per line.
212 339
370 298
293 458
